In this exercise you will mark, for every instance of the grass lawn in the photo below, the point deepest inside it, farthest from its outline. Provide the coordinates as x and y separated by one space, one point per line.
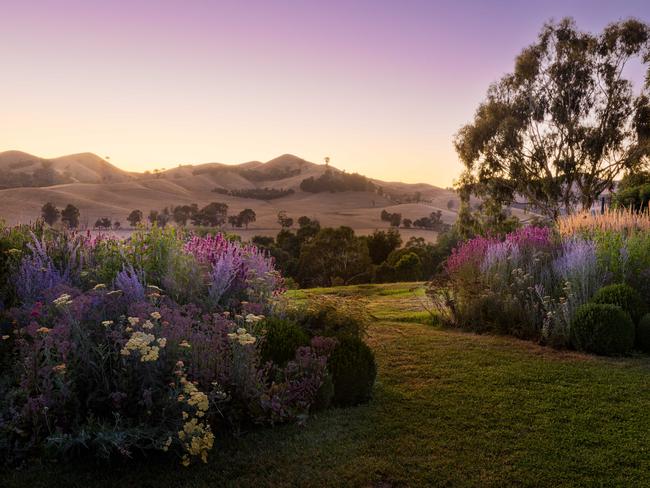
450 409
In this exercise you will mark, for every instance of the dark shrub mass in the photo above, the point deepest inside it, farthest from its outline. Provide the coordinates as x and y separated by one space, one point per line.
283 338
602 329
643 333
353 369
625 297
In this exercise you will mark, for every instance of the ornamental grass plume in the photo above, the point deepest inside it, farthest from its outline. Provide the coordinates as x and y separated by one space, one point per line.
620 220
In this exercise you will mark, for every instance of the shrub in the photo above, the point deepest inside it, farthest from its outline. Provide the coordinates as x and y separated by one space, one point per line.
333 317
325 395
283 337
625 297
602 329
643 333
353 369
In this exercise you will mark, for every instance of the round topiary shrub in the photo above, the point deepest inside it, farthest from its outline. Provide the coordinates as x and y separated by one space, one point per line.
602 328
643 333
353 369
625 297
282 339
324 395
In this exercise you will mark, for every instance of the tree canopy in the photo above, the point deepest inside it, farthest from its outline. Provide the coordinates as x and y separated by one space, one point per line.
558 130
50 213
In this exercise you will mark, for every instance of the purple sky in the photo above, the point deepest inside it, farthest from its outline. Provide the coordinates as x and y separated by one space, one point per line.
379 86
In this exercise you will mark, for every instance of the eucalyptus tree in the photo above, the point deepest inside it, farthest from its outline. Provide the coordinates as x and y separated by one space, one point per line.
559 129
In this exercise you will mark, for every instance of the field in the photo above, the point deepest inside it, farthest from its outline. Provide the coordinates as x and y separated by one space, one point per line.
450 409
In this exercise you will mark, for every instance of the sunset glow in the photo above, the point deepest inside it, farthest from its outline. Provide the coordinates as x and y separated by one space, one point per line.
380 87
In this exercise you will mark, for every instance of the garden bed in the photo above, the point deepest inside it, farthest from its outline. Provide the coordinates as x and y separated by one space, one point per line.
450 408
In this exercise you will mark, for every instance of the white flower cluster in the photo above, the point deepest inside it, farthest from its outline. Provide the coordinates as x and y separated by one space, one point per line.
63 301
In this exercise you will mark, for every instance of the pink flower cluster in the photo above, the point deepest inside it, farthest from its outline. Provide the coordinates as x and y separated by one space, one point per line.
469 253
534 237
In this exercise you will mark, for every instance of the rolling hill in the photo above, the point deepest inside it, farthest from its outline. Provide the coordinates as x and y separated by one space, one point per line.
100 189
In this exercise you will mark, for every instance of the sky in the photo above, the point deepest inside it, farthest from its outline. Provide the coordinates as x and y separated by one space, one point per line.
380 87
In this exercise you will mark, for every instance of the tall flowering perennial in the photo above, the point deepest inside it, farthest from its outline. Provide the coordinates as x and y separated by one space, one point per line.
533 237
523 284
577 265
196 437
131 283
235 270
469 254
532 282
37 273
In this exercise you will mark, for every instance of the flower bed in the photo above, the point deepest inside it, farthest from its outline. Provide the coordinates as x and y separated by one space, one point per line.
115 348
532 282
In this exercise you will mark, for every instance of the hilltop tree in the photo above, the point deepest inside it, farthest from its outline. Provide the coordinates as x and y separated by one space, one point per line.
234 221
560 128
284 220
103 223
247 216
135 217
153 216
70 216
50 213
395 219
213 214
163 218
182 213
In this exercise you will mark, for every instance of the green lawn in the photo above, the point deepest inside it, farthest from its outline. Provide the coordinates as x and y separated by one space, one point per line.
450 409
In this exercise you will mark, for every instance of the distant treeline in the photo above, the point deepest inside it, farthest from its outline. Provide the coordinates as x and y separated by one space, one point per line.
269 174
337 182
256 193
431 222
315 256
45 175
250 174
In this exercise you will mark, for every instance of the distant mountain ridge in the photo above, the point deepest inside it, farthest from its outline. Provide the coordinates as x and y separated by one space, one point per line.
100 189
74 168
287 169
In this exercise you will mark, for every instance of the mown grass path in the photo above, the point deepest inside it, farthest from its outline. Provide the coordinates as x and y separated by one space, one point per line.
450 409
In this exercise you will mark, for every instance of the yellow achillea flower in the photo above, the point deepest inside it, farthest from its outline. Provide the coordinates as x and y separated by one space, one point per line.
155 315
107 323
197 439
196 436
43 330
141 342
242 336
